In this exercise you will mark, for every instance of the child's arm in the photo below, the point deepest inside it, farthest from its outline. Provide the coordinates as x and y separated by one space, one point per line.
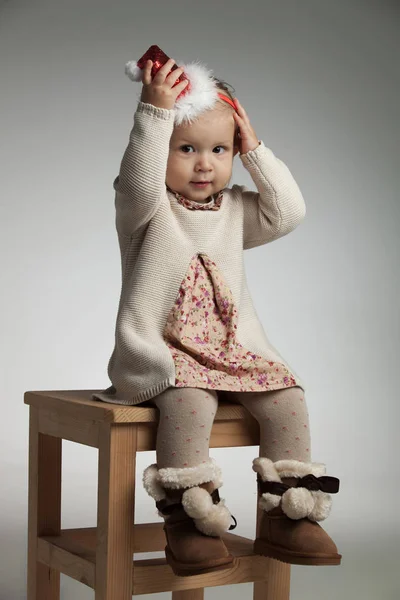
278 207
140 186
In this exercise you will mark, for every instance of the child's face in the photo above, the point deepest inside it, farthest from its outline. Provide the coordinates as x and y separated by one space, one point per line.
202 151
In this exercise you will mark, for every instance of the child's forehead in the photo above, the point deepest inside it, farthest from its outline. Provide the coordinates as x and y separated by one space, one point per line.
210 125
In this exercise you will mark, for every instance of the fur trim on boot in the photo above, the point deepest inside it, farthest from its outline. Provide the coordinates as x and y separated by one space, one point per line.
210 518
305 498
195 517
294 495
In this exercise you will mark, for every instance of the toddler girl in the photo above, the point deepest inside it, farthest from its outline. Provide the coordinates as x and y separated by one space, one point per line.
187 333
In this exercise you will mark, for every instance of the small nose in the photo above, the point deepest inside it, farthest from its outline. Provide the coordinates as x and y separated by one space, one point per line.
203 162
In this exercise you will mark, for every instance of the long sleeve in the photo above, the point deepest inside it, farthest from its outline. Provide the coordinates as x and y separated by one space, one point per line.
278 206
140 186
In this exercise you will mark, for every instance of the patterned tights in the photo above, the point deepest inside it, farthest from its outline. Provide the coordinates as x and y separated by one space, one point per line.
187 416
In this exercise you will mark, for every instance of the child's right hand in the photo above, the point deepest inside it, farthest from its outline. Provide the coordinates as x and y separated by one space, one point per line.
162 91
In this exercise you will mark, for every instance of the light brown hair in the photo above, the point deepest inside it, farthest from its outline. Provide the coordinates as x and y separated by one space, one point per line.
230 92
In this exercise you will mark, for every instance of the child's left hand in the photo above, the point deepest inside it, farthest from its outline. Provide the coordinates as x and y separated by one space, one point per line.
248 139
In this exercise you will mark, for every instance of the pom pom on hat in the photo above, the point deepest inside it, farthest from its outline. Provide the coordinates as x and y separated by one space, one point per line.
132 71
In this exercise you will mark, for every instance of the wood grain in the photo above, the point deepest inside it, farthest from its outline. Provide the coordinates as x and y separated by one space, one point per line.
102 557
74 553
189 595
44 512
78 403
277 580
115 512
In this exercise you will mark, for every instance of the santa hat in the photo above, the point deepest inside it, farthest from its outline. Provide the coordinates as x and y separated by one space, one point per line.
200 94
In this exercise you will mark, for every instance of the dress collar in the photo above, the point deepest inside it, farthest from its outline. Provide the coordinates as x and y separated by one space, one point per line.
213 204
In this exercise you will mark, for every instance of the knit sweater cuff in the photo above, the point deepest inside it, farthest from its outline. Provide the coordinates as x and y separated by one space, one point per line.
252 157
163 114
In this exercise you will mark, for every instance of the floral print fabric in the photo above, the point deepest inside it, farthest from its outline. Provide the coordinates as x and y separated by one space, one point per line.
201 335
213 204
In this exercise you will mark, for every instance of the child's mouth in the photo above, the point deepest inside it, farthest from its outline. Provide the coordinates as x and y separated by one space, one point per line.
200 184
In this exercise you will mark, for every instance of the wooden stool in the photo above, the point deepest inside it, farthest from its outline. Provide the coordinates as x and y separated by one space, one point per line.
102 557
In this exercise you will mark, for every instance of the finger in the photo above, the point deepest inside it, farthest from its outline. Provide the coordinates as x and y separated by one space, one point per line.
243 131
238 120
241 110
147 72
165 69
236 100
238 129
174 75
180 86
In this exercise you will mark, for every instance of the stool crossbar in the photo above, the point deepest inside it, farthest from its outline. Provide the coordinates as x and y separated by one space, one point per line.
102 557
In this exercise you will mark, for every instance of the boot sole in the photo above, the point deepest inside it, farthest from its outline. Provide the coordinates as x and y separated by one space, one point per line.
188 569
295 558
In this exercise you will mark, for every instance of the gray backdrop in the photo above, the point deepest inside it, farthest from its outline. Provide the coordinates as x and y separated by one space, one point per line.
320 82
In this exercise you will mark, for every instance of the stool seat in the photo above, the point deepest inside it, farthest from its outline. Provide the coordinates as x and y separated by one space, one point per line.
103 557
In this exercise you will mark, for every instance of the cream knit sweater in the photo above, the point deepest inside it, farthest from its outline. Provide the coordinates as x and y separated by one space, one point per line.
158 237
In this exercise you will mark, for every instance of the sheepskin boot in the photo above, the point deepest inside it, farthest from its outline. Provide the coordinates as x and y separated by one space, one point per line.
195 516
294 495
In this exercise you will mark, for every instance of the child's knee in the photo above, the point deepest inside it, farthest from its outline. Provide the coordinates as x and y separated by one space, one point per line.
193 402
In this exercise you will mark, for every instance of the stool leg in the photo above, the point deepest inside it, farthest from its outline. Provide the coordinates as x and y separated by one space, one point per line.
44 512
277 584
115 511
197 594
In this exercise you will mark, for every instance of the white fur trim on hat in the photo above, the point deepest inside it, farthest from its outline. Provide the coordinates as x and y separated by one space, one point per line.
184 477
132 71
203 94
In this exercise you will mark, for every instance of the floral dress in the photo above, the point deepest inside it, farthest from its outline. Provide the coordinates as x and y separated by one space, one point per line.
201 332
